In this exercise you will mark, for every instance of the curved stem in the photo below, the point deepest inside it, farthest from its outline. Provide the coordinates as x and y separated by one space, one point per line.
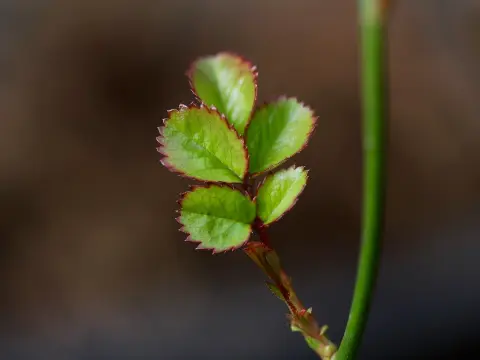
373 36
301 319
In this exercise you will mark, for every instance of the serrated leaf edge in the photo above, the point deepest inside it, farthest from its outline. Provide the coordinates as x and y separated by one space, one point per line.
272 174
189 238
212 110
252 68
312 130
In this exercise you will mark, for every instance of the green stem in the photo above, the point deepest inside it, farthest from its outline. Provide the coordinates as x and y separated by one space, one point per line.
373 38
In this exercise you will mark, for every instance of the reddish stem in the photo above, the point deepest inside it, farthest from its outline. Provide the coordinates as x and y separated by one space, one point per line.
261 230
281 281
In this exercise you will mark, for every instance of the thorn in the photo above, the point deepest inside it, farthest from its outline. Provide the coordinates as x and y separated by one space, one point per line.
323 329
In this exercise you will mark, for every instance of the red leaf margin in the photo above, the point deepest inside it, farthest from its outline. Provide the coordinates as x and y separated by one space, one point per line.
212 110
294 202
189 238
242 60
310 133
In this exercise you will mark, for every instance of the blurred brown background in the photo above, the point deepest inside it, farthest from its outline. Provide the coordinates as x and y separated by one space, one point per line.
92 265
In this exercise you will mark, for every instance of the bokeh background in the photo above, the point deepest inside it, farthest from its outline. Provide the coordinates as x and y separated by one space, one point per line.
91 263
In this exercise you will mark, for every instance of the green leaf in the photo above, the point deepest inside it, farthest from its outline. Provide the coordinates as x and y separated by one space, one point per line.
279 192
278 131
217 217
199 143
227 82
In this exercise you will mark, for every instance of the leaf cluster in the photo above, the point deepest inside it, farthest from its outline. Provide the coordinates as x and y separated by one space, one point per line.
226 142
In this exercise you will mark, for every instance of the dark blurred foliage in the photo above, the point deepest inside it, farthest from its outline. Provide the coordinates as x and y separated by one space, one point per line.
92 265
